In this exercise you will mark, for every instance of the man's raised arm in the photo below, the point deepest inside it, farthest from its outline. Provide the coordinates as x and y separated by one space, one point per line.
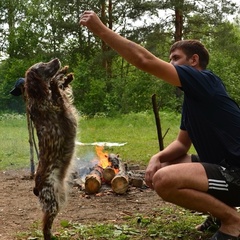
132 52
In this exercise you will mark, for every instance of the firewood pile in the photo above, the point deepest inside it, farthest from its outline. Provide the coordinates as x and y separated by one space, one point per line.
116 175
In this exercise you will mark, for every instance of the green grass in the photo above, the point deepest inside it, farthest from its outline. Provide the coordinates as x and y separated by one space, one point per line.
169 223
138 130
14 147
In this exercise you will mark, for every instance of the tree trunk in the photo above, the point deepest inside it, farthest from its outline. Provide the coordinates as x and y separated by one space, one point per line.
178 31
178 24
107 60
11 26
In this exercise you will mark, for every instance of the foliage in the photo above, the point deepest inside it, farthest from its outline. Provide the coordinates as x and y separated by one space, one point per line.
10 70
89 88
104 82
225 57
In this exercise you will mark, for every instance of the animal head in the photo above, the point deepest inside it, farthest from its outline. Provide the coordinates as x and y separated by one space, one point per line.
38 78
47 70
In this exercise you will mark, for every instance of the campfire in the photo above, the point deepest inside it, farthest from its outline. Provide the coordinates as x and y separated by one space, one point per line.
110 170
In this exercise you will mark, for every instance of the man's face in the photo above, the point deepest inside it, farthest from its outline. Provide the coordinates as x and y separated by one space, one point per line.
178 57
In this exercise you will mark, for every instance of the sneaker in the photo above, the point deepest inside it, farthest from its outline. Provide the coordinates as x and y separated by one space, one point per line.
210 224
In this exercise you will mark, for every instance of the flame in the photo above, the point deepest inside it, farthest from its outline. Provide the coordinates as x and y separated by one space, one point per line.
103 157
116 170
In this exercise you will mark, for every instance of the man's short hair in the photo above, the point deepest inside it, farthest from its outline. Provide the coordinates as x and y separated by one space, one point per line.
191 47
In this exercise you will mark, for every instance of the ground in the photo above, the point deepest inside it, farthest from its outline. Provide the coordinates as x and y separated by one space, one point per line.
19 207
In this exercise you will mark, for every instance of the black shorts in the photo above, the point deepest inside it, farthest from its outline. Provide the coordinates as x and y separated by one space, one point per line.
223 182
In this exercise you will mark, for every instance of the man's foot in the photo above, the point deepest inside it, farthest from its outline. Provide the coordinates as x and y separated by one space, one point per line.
211 224
223 236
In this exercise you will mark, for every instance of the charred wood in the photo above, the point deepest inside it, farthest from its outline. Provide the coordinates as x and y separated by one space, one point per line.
136 178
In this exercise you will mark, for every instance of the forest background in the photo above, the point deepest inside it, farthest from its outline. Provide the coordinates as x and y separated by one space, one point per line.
39 30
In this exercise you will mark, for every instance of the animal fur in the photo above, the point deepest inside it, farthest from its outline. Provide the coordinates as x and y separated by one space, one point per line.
49 103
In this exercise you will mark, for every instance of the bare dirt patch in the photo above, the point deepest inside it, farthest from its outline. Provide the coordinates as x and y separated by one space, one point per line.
19 208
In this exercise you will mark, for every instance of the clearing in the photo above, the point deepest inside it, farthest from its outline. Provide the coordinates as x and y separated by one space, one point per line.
20 210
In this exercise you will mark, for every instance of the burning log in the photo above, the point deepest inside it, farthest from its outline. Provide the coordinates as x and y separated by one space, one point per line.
110 171
120 182
108 174
93 180
114 160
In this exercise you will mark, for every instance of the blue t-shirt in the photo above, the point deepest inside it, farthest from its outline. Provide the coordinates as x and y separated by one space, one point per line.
210 116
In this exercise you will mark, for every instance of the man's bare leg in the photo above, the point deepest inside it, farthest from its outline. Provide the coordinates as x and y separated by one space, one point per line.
186 185
210 222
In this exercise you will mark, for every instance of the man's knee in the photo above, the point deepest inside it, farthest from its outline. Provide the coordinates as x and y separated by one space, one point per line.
163 183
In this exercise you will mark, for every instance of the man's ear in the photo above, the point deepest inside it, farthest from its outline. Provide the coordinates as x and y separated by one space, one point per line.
194 60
